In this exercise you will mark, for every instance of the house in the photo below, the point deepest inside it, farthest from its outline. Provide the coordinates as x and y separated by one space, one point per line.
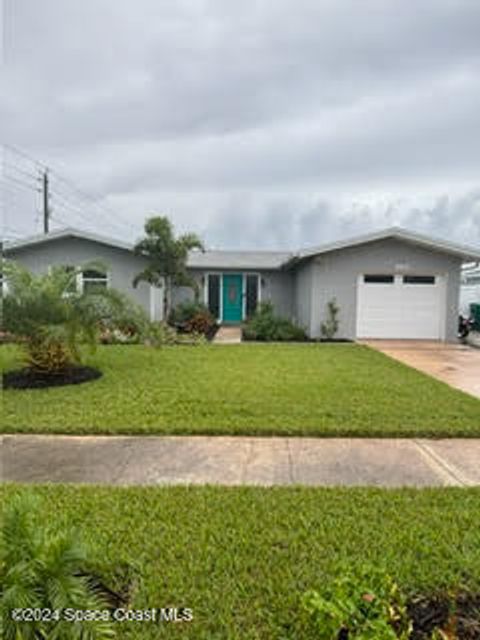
389 284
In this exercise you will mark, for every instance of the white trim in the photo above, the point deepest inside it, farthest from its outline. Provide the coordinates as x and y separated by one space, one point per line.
244 296
470 254
152 304
221 299
81 280
66 233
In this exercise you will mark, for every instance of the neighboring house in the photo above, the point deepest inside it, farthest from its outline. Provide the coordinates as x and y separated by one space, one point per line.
470 289
389 284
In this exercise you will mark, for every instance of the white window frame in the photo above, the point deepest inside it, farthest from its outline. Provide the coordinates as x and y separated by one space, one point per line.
3 285
81 281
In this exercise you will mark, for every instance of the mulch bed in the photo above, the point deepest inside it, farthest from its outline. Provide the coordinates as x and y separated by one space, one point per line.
29 379
459 615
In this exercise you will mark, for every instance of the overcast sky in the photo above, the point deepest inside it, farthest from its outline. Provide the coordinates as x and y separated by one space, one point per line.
275 123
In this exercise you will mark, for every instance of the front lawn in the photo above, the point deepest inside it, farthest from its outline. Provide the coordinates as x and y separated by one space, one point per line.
241 558
303 389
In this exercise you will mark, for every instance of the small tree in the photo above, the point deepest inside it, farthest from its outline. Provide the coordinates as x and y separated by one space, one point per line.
167 258
329 328
43 569
51 317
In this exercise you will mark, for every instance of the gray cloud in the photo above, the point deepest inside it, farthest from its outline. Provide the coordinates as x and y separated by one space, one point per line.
256 123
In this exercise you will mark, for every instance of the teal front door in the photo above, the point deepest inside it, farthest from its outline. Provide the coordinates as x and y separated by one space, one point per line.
232 298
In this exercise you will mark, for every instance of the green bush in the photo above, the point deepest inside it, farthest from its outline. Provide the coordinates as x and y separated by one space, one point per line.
192 317
367 605
265 326
329 328
160 334
186 311
51 320
44 570
125 323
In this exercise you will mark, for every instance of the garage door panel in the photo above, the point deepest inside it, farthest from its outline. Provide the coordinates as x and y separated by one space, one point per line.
399 310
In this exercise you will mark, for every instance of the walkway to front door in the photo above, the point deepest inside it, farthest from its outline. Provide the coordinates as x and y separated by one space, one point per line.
232 298
228 335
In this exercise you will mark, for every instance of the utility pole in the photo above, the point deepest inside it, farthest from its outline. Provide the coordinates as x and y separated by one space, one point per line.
46 203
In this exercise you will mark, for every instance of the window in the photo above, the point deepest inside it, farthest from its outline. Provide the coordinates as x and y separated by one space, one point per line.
252 294
93 281
378 278
214 294
73 283
418 279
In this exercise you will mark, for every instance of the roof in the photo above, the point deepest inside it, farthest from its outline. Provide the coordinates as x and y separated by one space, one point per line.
238 259
265 259
66 233
196 259
468 254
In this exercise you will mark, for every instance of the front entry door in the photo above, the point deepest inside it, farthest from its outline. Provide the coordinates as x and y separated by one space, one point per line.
232 298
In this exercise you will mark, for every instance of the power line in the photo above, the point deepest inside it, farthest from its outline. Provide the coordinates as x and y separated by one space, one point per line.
117 217
21 171
25 155
20 183
87 216
70 198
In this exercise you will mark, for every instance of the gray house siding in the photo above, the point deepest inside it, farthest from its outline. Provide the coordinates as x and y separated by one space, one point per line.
277 288
335 275
122 266
302 298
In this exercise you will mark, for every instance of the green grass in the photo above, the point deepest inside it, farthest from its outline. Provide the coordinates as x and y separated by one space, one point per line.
242 557
324 390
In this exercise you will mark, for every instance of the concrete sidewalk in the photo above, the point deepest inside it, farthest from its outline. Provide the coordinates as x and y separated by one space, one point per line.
152 460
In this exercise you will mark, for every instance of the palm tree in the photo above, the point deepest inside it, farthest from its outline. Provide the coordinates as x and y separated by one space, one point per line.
44 570
50 317
166 257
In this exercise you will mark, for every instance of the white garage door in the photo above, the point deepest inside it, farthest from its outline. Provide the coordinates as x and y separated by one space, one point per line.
400 306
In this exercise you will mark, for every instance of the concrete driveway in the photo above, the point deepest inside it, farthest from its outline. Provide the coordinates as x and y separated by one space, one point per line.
168 460
457 365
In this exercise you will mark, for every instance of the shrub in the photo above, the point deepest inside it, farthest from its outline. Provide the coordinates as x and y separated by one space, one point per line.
43 570
362 606
124 323
192 317
160 334
265 326
50 319
329 328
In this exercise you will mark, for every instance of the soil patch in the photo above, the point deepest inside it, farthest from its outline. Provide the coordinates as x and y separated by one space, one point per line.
458 615
29 379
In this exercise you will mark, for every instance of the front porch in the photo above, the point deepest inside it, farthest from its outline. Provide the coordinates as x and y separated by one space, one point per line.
228 334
